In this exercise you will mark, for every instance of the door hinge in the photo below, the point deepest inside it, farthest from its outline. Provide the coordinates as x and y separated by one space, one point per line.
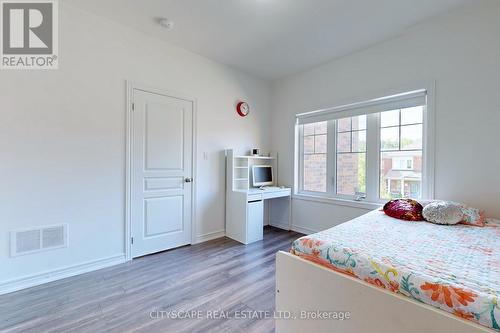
133 106
132 240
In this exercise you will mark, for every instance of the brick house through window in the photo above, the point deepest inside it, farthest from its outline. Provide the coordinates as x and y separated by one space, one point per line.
401 174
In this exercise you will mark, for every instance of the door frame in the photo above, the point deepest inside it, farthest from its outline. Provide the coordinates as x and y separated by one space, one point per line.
131 85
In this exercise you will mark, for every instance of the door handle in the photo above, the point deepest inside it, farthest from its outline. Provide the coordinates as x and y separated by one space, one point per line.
188 179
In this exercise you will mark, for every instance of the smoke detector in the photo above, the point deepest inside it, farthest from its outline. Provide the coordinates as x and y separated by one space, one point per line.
166 23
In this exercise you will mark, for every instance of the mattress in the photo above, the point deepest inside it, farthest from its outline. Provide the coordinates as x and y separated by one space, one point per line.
454 268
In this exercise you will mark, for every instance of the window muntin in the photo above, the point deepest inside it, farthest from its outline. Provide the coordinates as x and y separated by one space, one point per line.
376 156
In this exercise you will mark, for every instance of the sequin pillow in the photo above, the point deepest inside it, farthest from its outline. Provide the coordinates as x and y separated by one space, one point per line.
443 212
404 209
472 216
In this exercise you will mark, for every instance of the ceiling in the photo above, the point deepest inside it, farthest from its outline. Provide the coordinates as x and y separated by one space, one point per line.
272 38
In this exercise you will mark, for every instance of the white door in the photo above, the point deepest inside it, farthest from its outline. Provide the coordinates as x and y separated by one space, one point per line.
162 171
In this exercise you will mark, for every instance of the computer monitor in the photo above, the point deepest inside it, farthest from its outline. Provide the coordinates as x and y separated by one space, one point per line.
262 175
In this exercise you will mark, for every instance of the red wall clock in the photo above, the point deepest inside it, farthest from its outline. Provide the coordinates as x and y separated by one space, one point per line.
243 109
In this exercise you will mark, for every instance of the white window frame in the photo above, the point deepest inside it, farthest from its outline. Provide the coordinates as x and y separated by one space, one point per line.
372 199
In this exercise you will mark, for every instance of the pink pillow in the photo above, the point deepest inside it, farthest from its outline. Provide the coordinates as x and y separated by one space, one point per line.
404 209
473 216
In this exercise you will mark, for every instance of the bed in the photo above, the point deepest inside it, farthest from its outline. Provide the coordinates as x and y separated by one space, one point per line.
393 276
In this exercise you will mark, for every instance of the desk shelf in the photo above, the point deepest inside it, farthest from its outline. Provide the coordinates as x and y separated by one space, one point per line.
239 168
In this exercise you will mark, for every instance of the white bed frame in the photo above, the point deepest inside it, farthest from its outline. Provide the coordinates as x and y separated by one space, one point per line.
302 285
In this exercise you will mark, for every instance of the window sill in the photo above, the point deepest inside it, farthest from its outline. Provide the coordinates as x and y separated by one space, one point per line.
337 201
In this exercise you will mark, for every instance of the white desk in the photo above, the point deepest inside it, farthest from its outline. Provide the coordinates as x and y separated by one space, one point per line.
245 205
245 212
268 193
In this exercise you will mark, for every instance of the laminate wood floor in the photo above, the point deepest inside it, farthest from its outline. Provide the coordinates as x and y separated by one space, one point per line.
219 278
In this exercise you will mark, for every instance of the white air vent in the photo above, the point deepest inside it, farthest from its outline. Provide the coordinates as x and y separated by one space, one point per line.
35 240
27 241
53 237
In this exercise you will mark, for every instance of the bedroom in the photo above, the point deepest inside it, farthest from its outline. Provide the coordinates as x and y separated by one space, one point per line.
67 142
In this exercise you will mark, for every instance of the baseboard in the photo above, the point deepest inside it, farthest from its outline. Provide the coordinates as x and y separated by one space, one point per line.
210 236
304 230
280 226
57 274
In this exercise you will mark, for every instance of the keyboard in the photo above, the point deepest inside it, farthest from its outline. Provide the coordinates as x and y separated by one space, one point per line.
272 188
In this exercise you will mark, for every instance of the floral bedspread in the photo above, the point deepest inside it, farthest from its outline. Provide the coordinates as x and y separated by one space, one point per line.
454 268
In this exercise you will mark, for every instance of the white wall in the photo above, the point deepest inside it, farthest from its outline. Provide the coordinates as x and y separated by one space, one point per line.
461 52
62 137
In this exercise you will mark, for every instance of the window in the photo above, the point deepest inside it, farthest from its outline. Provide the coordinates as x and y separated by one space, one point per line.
351 156
401 134
371 150
402 163
315 143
